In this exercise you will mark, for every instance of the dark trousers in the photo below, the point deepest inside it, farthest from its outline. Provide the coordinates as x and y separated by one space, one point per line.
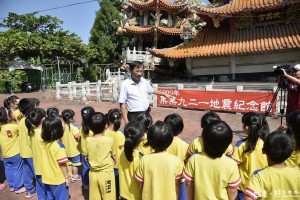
132 116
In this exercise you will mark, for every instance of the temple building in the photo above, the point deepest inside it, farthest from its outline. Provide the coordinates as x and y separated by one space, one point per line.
242 40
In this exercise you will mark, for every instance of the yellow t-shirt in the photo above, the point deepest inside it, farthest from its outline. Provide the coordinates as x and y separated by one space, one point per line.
83 137
129 186
9 144
119 140
250 161
71 144
53 155
211 180
99 152
274 183
145 150
158 172
17 113
178 148
293 160
37 145
197 146
25 143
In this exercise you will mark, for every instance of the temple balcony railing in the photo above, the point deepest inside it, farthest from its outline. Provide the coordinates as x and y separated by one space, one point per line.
143 56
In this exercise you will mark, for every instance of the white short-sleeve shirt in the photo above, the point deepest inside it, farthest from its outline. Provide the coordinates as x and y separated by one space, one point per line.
134 95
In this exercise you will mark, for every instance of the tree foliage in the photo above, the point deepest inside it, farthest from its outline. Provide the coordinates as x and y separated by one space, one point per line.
39 39
105 42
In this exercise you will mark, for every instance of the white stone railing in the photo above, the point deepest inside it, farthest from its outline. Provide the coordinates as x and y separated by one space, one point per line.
93 91
142 56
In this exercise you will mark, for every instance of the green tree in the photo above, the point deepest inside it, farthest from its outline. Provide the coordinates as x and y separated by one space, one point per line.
104 40
39 38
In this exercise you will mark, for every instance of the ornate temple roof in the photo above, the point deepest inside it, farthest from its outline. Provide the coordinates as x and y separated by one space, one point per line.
219 42
239 6
150 29
157 3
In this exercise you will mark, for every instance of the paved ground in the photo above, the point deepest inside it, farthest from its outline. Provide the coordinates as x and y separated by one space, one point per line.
191 122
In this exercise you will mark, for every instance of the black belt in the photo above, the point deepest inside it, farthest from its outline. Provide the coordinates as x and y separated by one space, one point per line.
137 112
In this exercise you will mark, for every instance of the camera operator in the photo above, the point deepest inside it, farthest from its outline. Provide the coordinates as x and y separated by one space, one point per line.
293 83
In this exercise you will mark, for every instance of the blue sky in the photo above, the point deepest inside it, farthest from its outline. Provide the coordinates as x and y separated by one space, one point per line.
77 19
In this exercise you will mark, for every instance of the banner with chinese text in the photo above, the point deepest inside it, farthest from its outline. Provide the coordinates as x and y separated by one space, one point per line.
218 100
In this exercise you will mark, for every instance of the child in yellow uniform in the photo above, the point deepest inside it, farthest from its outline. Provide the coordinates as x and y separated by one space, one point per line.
9 141
71 142
100 156
26 105
11 103
275 181
129 161
178 147
294 125
34 125
114 121
248 152
146 120
160 173
211 174
54 160
85 132
197 144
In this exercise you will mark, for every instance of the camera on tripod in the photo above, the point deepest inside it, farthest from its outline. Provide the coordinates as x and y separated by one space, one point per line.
279 72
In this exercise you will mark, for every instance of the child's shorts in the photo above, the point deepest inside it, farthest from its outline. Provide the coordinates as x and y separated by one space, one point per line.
75 161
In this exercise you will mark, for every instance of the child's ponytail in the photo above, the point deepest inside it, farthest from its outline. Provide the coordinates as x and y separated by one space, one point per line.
293 122
134 132
86 112
254 122
3 116
114 117
34 119
67 115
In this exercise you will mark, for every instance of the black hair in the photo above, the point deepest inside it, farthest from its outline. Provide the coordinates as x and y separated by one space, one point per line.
4 116
278 146
134 64
134 132
254 122
53 111
34 118
86 112
160 136
26 105
216 138
175 122
145 119
265 130
293 122
97 122
114 117
208 118
10 100
36 102
67 115
52 129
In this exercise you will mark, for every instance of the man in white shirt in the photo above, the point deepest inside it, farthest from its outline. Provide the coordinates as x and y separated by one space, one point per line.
134 93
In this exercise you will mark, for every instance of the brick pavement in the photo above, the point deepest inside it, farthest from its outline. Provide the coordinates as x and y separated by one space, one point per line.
191 119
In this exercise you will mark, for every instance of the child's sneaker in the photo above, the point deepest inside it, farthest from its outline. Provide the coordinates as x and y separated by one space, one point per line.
75 178
30 193
85 187
11 189
20 191
2 186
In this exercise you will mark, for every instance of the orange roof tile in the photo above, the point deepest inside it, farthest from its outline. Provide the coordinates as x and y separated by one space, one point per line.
150 29
218 41
160 3
238 6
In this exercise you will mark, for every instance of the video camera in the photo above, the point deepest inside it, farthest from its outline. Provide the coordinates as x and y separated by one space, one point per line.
279 72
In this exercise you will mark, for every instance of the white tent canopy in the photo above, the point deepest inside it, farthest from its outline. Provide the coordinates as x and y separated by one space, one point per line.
19 63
